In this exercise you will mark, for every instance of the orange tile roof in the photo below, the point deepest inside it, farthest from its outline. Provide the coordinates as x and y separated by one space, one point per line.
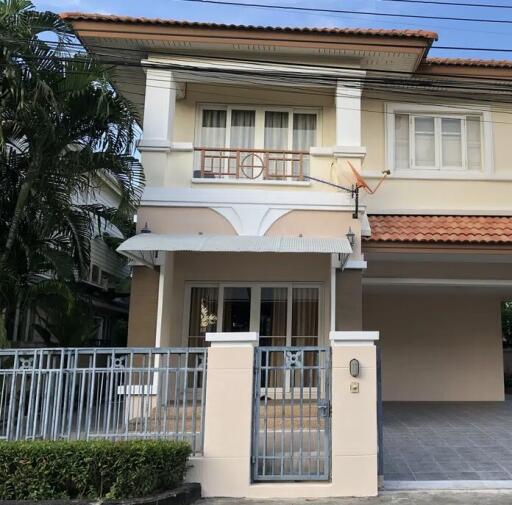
468 62
83 16
441 229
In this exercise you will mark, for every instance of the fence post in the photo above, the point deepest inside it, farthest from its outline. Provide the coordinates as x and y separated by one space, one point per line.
225 468
354 413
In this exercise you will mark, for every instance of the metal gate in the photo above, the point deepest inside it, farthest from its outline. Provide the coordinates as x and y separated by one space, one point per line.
291 414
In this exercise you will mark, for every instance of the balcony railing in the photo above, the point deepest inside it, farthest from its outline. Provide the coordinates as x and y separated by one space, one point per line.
251 164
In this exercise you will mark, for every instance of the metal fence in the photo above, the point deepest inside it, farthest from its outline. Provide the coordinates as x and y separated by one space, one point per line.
87 393
291 424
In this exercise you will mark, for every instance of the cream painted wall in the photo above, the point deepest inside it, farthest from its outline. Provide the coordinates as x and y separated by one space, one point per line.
235 267
250 267
439 195
439 269
398 194
438 346
186 109
143 307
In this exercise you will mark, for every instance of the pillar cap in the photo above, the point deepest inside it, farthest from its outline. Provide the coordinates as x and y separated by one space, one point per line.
353 337
233 338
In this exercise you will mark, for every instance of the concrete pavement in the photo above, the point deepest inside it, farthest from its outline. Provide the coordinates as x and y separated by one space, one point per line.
502 497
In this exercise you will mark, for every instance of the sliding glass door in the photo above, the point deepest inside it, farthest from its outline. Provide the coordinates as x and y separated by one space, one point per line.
283 314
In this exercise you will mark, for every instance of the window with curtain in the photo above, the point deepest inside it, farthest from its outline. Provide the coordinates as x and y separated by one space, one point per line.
273 316
305 311
437 142
203 314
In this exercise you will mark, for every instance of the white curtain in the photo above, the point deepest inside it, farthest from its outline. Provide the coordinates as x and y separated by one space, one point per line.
304 137
276 130
402 141
474 143
242 128
304 131
242 135
451 140
213 132
424 142
276 137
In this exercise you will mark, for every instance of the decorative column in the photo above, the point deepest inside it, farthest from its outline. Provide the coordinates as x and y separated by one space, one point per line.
159 111
225 469
354 413
348 117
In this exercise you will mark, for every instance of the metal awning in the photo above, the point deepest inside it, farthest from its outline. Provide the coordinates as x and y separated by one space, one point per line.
136 246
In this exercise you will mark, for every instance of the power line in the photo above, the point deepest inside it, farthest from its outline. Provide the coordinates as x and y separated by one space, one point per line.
342 11
448 3
325 80
295 64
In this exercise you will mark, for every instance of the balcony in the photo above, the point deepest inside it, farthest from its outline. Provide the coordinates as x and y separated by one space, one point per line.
251 164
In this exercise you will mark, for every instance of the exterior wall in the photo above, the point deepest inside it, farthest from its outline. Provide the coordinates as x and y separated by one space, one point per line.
349 300
463 193
175 167
143 307
438 346
454 269
183 220
234 267
249 267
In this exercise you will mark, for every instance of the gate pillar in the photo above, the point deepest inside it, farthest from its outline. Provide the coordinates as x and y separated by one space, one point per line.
225 468
354 413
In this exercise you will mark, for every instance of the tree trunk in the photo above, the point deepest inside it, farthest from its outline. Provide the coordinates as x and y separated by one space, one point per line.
21 202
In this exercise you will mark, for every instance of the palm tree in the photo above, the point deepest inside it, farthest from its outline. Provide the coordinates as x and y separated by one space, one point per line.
62 129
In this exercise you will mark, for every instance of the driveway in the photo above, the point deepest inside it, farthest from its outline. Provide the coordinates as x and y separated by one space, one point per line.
464 441
387 498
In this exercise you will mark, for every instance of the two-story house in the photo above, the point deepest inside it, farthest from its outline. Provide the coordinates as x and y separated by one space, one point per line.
250 220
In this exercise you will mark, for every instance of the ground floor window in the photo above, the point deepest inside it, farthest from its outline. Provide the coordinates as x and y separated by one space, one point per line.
283 314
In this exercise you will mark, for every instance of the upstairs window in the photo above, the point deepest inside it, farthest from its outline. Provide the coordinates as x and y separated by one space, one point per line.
239 127
437 142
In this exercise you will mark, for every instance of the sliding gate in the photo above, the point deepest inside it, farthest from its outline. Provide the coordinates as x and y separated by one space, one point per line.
291 414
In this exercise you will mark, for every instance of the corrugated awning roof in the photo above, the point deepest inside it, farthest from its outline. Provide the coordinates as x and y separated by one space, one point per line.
145 242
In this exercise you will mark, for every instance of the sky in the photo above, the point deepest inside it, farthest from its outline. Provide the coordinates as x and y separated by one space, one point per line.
464 34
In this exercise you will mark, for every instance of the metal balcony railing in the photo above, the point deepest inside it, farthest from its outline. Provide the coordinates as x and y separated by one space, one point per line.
100 393
251 164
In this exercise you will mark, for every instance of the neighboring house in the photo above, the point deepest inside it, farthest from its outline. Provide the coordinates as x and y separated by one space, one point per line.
243 230
102 283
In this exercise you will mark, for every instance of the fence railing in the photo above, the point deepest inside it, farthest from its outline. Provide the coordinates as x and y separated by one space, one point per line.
89 393
245 163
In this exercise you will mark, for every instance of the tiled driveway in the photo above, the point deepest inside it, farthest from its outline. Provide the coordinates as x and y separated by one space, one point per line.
448 441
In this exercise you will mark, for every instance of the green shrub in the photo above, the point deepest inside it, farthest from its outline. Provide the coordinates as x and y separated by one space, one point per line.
43 470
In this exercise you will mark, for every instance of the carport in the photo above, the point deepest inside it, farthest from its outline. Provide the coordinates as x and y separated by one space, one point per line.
434 288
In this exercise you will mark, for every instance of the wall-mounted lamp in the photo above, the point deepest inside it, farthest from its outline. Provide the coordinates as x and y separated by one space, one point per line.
354 367
351 236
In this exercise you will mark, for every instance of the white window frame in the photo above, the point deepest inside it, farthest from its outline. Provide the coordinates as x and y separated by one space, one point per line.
259 121
255 304
438 112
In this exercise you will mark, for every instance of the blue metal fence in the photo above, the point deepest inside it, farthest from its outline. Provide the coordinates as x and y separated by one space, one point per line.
100 393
